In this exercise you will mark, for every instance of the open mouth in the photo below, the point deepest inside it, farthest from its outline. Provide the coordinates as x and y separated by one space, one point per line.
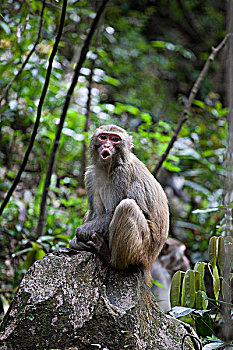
105 154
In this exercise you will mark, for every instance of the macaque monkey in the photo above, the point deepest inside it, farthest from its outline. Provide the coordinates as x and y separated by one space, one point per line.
128 218
172 258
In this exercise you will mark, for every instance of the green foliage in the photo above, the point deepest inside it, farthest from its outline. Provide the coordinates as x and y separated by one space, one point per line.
36 253
190 296
147 58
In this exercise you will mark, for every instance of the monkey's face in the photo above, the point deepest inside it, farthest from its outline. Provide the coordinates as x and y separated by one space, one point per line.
110 146
107 142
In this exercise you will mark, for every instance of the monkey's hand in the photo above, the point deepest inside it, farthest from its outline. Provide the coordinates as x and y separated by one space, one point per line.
96 244
100 225
83 235
84 232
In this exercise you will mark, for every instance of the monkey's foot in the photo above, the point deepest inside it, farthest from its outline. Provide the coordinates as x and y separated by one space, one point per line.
101 247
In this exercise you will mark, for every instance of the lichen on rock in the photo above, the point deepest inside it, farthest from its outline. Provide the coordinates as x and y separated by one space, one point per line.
73 300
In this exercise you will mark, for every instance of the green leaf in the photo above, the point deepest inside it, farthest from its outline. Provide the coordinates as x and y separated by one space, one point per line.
216 282
188 289
63 237
180 311
221 253
36 253
203 324
199 103
171 167
201 301
5 27
213 251
158 284
146 118
199 282
158 43
208 210
200 267
46 238
214 345
23 251
175 289
164 125
133 110
119 108
111 80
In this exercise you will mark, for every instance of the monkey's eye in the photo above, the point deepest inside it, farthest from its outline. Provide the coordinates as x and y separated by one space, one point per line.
102 137
115 138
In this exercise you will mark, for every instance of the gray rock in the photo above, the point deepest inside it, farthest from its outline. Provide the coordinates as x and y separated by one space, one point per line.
72 301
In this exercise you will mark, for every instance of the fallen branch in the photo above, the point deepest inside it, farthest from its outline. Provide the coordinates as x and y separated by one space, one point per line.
27 58
39 110
184 115
52 158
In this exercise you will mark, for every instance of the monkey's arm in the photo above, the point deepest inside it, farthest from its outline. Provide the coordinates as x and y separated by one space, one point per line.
98 225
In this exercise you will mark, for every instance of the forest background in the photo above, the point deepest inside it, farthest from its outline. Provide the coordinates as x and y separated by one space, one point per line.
137 72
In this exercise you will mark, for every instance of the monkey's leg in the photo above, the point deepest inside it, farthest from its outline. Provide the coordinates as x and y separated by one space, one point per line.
129 235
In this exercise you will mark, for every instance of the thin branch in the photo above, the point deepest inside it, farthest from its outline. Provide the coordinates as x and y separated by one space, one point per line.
87 122
27 58
192 95
27 17
39 109
88 112
83 54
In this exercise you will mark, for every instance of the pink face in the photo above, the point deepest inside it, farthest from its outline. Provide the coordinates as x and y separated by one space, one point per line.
108 142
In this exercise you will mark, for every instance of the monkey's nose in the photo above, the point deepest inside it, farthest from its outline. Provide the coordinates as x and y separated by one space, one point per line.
107 145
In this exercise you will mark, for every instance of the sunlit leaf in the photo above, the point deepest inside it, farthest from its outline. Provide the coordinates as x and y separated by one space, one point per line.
111 80
180 311
200 267
213 251
208 210
213 345
64 237
36 253
158 284
188 289
201 301
175 289
221 253
146 117
171 167
199 282
158 43
216 282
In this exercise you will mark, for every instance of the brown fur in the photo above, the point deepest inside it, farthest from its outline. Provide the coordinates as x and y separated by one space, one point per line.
127 207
